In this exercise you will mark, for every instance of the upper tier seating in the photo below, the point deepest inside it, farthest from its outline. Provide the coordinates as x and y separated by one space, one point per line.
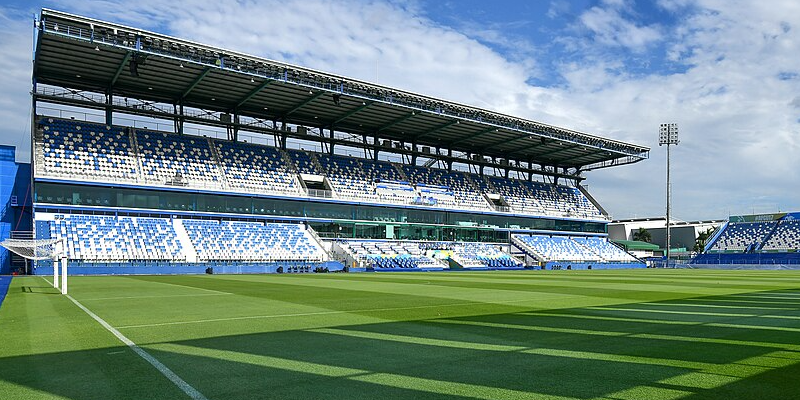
785 237
464 194
108 238
177 160
251 241
348 177
97 152
740 236
542 198
355 178
84 150
514 193
255 168
303 162
559 200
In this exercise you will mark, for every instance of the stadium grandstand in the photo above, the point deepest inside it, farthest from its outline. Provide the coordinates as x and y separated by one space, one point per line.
153 154
754 241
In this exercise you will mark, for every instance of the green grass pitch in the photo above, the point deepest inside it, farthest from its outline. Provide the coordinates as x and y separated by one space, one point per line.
639 334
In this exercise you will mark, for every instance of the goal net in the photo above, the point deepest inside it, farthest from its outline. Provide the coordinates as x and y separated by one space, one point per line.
34 249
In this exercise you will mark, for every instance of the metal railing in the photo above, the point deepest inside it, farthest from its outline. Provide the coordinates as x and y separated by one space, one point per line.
327 194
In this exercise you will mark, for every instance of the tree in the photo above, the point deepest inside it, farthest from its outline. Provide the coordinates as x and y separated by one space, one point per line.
642 235
700 242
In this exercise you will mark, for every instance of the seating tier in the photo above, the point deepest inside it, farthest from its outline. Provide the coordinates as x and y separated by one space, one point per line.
109 238
251 241
87 151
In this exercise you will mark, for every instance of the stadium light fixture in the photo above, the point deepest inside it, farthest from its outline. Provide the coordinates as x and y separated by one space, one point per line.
668 135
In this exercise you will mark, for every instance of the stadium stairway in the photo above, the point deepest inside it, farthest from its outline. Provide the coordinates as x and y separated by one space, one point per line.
593 201
529 254
135 152
186 243
218 161
325 246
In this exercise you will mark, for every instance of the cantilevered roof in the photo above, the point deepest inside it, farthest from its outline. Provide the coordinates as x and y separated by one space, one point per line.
87 54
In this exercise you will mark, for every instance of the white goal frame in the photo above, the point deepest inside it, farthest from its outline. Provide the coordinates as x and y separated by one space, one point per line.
24 245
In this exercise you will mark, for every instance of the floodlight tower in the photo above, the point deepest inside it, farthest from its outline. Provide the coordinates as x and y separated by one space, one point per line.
668 134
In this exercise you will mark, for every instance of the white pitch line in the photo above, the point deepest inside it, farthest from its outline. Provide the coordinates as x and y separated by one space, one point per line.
163 369
363 310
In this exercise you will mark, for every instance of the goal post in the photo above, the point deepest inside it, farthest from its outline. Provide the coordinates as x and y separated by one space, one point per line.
24 245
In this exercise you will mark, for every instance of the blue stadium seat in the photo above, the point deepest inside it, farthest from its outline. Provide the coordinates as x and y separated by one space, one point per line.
117 239
251 241
87 151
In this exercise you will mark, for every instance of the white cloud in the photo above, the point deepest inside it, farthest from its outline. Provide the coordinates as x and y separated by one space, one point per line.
736 100
15 81
610 27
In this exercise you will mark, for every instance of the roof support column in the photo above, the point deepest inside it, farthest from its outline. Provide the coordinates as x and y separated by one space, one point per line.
449 160
375 146
179 120
331 141
175 118
109 108
233 127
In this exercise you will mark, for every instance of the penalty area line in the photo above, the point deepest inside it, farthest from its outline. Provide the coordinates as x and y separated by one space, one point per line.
158 365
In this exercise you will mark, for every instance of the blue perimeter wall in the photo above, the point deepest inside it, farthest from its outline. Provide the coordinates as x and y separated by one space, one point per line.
5 282
15 179
562 265
155 268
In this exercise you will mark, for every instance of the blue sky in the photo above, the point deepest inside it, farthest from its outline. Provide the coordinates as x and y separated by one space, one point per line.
725 71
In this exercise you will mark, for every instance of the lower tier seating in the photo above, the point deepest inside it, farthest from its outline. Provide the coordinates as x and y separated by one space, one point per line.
786 237
576 249
763 236
108 238
390 255
381 254
741 236
94 238
484 255
251 241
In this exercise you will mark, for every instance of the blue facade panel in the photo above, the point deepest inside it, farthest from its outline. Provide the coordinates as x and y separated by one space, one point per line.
15 200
